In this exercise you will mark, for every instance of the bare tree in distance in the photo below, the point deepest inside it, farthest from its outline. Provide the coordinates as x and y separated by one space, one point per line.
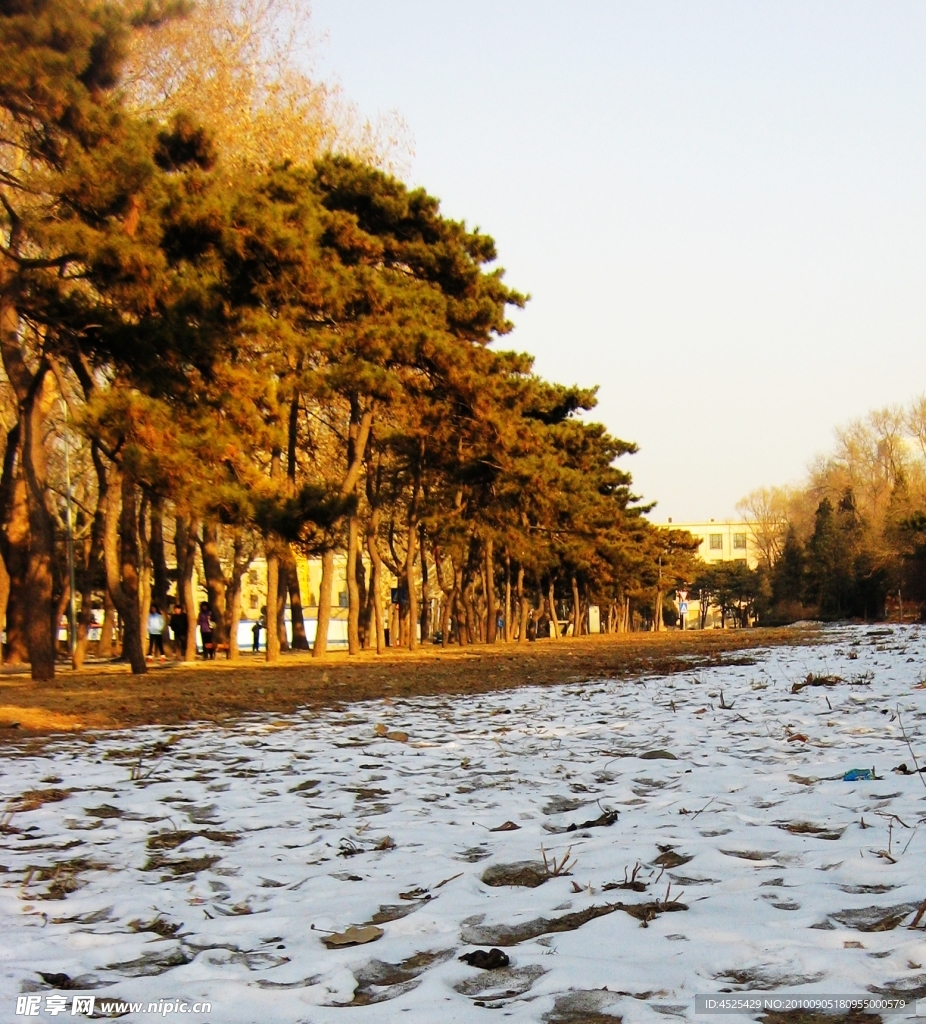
244 69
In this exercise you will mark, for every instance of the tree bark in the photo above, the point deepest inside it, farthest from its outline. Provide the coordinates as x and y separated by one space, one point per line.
523 606
509 625
491 607
92 564
16 556
353 589
425 586
120 555
4 597
42 588
282 584
576 609
160 589
376 581
410 587
28 521
551 605
320 647
216 583
185 540
144 562
108 627
296 610
241 559
270 618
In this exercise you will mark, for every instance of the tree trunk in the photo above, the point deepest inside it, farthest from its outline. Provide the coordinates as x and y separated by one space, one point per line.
363 604
16 556
425 586
491 606
282 584
576 609
445 611
144 572
523 606
241 559
160 589
88 578
410 587
185 538
551 606
29 541
509 625
657 612
273 583
320 647
42 586
216 584
376 581
525 618
108 627
296 610
120 555
353 589
4 597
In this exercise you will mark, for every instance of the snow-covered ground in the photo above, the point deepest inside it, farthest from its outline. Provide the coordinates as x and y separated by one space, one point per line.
209 864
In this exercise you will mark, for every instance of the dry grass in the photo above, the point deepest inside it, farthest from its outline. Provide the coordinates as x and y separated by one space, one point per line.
108 697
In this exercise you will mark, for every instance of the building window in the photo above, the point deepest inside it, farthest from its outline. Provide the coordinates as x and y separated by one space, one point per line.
253 578
254 600
739 541
716 542
343 601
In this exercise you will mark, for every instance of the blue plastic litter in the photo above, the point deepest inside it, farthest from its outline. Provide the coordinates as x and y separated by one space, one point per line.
859 775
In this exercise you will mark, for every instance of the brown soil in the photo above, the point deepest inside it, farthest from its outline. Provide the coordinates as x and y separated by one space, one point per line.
107 696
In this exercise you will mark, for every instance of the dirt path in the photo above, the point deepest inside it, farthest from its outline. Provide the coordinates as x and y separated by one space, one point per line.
108 697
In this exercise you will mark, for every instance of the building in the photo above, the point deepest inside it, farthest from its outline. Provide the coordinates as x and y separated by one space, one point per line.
722 540
254 598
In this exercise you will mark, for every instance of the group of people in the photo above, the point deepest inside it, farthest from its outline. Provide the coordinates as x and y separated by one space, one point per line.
179 625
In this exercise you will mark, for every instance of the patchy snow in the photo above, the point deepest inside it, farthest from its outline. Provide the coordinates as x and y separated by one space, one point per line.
193 864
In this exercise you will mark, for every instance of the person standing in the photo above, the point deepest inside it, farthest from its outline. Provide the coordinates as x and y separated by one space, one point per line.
180 629
205 623
155 633
255 633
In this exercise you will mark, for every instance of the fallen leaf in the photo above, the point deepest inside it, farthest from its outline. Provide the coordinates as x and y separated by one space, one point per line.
507 826
415 894
353 936
379 729
399 737
798 737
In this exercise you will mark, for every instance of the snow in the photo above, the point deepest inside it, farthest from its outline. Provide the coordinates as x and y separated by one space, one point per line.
243 928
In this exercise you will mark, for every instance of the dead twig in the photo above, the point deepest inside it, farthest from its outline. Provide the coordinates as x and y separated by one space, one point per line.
554 868
704 808
917 917
909 745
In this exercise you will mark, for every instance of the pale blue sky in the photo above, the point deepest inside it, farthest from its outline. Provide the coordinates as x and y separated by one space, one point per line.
717 207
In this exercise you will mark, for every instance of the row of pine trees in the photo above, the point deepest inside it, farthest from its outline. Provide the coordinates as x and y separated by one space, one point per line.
216 348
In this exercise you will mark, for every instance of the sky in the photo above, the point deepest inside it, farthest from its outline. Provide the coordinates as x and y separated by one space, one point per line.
718 208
